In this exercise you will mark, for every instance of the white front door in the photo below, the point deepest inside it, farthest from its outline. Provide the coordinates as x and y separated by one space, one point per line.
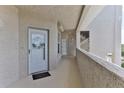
38 50
64 47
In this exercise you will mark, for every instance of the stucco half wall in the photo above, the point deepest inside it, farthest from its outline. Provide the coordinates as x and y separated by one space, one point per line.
95 75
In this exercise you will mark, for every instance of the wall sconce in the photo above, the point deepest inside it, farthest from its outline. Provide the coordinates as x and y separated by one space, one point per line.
60 27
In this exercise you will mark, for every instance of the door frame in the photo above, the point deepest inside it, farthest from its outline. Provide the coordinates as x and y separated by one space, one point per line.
28 46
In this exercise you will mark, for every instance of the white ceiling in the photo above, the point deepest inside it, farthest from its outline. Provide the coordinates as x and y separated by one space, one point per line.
67 15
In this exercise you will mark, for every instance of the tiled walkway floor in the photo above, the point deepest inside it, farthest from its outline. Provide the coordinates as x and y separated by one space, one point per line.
65 75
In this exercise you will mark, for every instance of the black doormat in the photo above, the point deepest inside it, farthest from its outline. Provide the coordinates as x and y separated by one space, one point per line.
40 75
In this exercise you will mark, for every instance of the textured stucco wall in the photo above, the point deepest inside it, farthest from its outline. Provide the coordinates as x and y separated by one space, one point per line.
27 19
8 45
94 75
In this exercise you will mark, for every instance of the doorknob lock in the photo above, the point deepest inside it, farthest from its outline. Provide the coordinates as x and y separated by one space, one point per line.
29 51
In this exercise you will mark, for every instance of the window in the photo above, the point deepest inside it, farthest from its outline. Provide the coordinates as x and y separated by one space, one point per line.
84 40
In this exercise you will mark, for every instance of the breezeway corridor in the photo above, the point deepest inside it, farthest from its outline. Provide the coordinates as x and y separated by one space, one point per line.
52 39
65 75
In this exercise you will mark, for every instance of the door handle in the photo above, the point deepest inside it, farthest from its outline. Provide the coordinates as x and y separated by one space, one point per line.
44 52
29 51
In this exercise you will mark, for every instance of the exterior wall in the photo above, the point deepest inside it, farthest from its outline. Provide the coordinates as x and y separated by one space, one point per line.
104 35
27 19
9 71
88 15
94 75
104 25
102 32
